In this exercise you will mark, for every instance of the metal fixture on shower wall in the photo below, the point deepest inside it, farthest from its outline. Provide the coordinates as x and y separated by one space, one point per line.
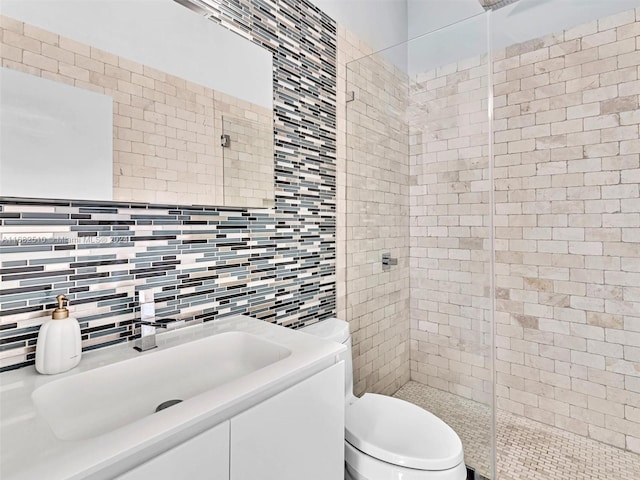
494 4
225 141
387 261
351 96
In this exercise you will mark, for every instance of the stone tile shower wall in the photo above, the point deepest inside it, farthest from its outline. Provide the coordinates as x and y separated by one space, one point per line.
568 230
276 264
567 174
376 205
450 244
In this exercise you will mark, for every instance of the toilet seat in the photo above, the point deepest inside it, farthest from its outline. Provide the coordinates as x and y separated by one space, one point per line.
401 433
360 466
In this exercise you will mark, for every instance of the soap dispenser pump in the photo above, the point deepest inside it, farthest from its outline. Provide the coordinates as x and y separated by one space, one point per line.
59 345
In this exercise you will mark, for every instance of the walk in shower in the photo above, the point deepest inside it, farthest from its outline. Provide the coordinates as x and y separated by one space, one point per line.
498 161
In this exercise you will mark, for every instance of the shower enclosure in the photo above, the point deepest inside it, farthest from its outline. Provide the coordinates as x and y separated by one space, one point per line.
497 161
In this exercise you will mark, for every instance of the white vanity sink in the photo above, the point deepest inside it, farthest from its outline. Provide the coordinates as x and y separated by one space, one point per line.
98 420
103 399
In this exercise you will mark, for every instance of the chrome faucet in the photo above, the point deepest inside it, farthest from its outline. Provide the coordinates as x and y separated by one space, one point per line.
147 339
147 322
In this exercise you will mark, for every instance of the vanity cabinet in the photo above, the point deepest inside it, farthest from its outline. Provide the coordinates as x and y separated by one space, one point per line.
295 434
203 457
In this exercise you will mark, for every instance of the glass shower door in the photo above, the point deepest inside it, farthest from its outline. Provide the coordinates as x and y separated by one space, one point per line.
419 187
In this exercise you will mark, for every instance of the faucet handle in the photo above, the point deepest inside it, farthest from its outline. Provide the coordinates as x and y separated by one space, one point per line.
170 323
149 323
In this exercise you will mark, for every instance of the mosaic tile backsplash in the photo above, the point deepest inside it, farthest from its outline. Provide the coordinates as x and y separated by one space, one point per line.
274 264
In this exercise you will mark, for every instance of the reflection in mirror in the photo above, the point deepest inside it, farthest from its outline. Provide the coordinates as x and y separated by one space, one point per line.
168 74
248 160
48 130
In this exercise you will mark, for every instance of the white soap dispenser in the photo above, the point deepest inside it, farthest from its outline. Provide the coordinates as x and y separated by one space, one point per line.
59 345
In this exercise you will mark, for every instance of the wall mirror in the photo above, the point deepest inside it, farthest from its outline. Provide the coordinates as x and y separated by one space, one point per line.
133 101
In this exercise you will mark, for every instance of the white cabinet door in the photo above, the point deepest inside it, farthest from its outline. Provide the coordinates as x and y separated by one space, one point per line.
204 457
297 434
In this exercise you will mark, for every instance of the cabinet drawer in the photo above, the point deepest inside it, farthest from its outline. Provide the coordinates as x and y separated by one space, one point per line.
204 457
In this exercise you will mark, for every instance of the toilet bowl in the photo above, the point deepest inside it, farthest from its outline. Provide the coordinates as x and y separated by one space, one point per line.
387 438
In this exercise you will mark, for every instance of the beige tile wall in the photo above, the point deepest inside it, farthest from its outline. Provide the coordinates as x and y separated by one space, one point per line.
567 168
166 144
450 244
373 215
568 229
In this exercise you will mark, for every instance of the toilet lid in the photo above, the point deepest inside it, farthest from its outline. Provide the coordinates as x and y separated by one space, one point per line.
401 433
329 329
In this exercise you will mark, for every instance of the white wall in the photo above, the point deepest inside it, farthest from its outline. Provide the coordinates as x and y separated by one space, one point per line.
529 19
161 34
379 23
424 16
445 31
516 23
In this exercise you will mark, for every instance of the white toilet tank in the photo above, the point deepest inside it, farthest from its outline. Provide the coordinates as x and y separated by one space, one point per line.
337 331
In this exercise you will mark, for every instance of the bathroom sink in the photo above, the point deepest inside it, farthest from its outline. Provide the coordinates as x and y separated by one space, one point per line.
101 400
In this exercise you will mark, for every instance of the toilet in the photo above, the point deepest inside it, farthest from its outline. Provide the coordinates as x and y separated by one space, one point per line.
387 438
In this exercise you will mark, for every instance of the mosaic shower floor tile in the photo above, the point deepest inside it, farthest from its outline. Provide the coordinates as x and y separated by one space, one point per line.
526 449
